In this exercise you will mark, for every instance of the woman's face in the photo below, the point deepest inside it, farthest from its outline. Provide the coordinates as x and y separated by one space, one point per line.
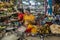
18 11
26 12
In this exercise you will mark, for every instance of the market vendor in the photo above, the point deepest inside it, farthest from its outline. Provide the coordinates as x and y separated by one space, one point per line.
28 17
20 15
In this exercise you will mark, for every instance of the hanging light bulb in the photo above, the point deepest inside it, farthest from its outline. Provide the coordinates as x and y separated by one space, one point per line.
25 3
39 3
32 3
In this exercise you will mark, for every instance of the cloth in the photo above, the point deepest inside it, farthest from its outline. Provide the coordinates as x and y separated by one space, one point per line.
58 17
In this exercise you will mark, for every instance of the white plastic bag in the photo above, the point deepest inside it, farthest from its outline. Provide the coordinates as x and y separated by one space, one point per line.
22 29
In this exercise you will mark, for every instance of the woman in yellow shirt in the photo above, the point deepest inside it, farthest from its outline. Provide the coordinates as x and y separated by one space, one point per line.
28 17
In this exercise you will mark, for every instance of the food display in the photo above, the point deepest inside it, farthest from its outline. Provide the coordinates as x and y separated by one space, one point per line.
2 27
44 29
6 8
1 4
6 5
57 8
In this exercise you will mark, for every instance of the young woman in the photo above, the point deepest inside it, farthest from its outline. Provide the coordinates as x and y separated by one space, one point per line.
20 16
28 17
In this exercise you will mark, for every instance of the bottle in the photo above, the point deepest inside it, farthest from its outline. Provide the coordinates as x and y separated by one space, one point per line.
42 38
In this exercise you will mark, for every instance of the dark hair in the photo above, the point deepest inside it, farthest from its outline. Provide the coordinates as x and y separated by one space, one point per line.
21 10
28 9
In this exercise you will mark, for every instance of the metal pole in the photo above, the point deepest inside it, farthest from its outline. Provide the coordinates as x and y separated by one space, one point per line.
45 4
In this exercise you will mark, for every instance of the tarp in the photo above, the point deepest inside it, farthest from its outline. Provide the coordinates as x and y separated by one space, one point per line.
50 7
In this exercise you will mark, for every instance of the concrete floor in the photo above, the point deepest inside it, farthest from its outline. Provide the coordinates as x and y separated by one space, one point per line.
13 37
46 38
33 38
52 38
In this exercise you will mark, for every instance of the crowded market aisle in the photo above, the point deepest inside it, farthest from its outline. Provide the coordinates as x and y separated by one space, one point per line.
29 20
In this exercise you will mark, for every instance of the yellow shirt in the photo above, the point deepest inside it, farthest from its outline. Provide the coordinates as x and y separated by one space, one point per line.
29 18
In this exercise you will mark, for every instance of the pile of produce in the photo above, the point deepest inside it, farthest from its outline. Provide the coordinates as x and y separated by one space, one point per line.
55 29
1 4
2 27
44 29
5 4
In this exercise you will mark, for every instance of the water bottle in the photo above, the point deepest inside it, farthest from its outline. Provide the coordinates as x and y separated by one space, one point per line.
42 38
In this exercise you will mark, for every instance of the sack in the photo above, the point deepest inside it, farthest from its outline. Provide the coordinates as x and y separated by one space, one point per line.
55 29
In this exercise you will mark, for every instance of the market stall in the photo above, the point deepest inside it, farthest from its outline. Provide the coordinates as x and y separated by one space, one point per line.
26 18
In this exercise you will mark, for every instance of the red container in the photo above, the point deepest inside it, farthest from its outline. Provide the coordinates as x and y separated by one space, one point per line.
49 23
